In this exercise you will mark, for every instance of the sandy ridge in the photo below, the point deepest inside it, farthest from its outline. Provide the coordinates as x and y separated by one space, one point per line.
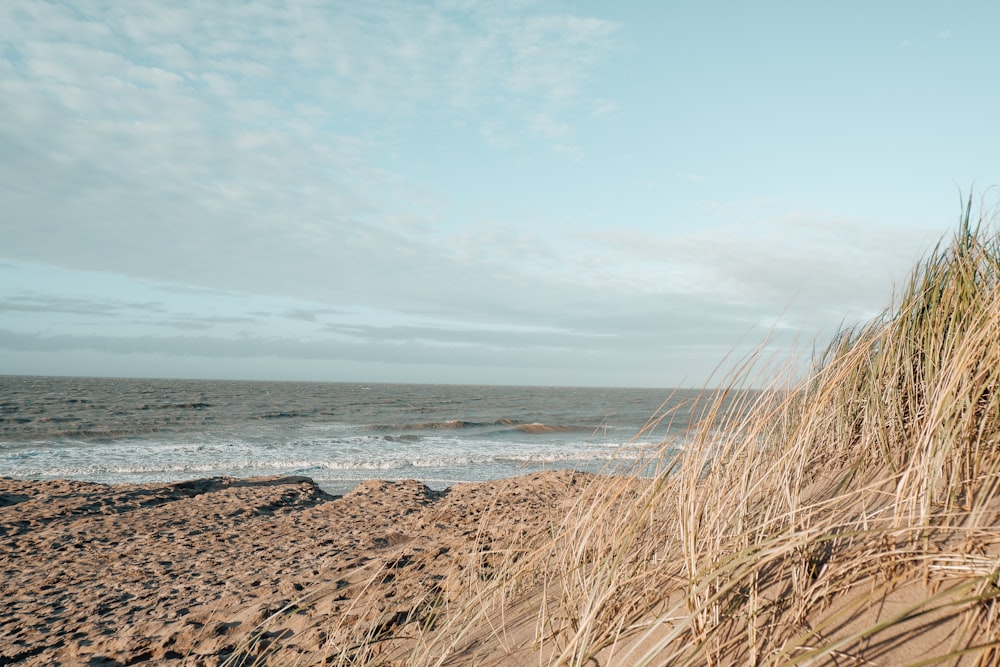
204 571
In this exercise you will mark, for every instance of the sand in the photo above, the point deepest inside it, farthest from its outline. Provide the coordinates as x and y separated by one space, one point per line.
221 569
274 571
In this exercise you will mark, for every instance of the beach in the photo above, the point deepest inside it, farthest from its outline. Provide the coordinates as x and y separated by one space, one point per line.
216 522
275 571
205 571
845 518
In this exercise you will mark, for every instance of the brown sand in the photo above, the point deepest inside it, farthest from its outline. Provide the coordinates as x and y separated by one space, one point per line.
204 571
228 571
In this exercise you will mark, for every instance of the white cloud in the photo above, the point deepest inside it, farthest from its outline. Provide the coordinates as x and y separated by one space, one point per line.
219 85
252 149
604 108
810 269
574 153
547 126
67 315
497 135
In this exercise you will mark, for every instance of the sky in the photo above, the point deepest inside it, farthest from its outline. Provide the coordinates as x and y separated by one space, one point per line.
525 192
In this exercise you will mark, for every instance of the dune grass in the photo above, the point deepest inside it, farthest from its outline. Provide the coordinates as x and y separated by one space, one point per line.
847 517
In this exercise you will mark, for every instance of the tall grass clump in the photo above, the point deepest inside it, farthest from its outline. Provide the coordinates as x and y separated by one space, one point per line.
849 517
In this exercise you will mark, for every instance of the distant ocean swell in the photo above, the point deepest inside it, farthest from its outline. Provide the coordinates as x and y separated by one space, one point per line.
511 424
168 430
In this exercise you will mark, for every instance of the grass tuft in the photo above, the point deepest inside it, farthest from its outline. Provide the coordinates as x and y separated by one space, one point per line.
847 517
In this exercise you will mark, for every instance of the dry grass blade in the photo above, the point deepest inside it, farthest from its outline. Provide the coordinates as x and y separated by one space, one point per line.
848 517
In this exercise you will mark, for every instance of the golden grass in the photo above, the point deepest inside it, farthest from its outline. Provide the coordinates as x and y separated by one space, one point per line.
850 517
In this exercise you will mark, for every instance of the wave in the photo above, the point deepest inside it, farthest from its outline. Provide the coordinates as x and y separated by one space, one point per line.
68 436
405 437
239 466
427 426
175 406
282 415
454 424
545 428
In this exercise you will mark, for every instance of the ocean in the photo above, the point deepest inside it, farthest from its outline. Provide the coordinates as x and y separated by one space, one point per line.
134 430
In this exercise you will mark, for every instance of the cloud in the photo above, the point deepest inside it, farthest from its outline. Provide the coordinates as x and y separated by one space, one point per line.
244 173
497 135
215 145
548 127
805 270
396 345
604 108
605 349
574 153
546 321
22 304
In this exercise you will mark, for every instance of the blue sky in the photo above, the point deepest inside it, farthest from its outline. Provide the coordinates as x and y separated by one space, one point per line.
572 193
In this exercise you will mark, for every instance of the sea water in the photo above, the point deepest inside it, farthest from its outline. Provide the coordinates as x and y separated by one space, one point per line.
134 430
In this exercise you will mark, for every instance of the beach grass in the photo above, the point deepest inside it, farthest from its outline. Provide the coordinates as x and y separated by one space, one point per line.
848 516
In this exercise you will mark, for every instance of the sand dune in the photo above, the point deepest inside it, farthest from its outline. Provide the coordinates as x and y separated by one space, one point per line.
198 572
